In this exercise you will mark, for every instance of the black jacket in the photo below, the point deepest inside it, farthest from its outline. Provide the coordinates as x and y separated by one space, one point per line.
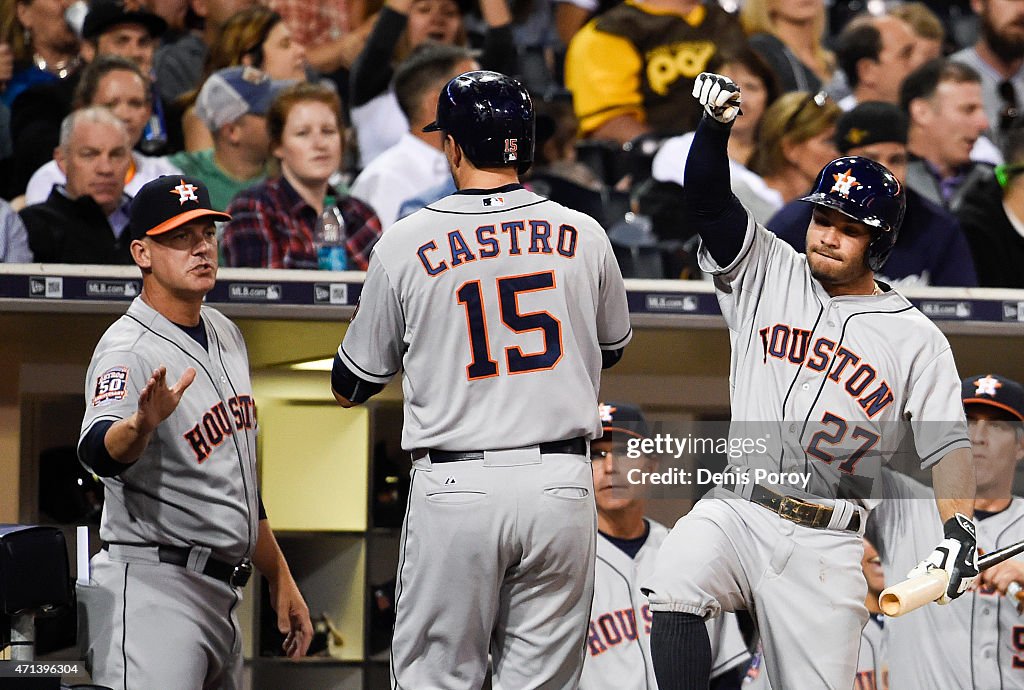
36 115
73 231
997 246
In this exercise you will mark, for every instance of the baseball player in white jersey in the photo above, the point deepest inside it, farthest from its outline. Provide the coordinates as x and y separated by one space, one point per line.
829 371
182 522
502 308
873 660
618 638
977 643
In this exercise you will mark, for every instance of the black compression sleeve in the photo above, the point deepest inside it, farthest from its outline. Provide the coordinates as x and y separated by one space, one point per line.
680 650
346 383
92 451
609 358
372 71
709 205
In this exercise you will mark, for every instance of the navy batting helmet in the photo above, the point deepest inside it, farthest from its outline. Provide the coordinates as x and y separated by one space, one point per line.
867 192
490 116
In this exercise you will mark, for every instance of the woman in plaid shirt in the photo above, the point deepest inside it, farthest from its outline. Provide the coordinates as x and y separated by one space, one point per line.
272 223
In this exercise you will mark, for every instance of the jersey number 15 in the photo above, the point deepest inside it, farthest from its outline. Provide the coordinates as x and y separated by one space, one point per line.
470 296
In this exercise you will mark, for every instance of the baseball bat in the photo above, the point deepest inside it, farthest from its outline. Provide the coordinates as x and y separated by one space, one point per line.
904 597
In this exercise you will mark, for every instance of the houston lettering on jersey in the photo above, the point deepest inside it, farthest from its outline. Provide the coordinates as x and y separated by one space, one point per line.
615 627
217 424
512 238
845 367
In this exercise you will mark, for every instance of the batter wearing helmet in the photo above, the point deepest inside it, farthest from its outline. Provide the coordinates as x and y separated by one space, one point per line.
182 521
830 370
501 307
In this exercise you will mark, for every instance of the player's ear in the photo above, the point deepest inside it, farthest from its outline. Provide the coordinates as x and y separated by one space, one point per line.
456 150
140 254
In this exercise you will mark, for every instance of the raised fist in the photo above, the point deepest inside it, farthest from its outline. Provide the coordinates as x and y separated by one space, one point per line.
719 95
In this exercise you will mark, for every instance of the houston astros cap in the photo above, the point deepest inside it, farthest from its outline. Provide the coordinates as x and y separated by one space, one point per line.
996 391
168 202
622 418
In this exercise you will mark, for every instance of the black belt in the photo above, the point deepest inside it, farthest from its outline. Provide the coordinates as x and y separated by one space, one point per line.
799 511
573 446
236 575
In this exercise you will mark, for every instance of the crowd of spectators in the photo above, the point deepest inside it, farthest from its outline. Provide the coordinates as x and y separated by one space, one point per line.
285 106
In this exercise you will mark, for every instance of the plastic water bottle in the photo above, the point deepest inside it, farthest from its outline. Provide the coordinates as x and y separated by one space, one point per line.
154 136
329 238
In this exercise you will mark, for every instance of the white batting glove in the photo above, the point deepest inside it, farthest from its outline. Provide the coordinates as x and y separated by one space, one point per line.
719 95
957 554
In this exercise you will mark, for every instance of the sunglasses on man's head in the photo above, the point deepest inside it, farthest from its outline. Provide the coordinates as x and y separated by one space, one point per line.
818 99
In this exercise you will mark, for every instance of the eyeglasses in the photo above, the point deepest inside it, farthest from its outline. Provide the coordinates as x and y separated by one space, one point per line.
818 99
1010 111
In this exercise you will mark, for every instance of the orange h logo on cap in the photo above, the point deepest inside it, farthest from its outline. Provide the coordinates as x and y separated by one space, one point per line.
844 182
186 191
987 386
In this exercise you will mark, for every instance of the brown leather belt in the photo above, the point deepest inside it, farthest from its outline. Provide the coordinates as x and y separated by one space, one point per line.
572 446
799 511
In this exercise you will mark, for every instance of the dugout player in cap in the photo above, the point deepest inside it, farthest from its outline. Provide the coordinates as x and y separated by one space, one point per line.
182 522
828 366
502 307
618 639
975 643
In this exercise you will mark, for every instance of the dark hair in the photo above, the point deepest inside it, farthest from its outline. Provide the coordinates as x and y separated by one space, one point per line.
94 72
859 40
429 67
758 66
301 92
244 33
922 82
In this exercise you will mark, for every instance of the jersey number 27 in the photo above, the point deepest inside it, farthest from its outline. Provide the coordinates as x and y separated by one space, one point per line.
470 296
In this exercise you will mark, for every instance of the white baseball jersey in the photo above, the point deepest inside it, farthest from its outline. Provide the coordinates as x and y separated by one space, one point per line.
491 302
975 642
619 637
830 383
195 484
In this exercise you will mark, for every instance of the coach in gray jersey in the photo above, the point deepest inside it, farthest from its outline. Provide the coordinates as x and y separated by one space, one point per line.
182 520
502 307
977 642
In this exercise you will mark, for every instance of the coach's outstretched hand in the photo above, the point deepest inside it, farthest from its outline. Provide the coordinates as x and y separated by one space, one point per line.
719 95
158 400
957 554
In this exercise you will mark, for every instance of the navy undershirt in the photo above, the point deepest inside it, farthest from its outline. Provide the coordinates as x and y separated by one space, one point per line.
982 514
631 547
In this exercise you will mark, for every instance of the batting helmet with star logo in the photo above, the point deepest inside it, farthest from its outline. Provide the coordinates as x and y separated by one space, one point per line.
867 192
